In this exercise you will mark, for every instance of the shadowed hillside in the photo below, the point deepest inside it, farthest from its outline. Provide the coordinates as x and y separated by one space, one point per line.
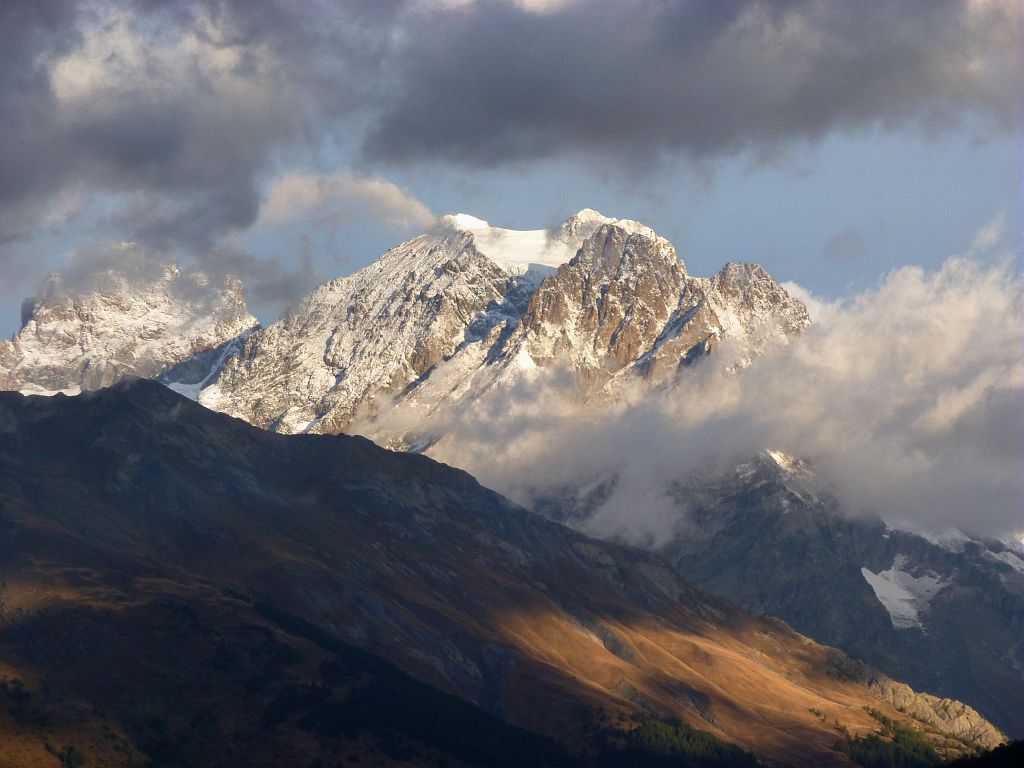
182 589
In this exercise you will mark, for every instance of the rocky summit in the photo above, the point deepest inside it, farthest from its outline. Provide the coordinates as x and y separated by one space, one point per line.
443 317
85 336
607 299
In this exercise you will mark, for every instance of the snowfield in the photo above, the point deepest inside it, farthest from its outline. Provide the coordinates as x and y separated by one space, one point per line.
904 595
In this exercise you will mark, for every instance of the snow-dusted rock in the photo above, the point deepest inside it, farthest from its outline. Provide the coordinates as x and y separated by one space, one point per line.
749 305
365 336
73 340
608 300
603 298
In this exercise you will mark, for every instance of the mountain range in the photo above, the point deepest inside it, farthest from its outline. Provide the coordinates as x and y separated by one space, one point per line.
945 613
468 314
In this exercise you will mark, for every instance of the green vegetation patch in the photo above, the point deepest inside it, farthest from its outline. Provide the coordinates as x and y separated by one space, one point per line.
899 747
653 743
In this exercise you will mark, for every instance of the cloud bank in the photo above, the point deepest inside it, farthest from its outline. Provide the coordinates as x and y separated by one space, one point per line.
500 81
160 122
909 399
183 111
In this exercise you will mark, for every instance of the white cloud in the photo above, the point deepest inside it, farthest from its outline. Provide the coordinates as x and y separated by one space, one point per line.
117 56
909 398
343 195
990 235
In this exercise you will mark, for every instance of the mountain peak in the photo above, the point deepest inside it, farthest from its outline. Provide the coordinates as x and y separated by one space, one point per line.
538 251
456 312
600 295
116 324
616 245
464 221
583 224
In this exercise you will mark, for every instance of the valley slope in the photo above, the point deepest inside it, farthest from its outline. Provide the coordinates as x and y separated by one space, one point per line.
174 579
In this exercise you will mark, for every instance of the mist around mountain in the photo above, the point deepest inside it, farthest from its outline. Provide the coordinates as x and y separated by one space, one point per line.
89 331
944 613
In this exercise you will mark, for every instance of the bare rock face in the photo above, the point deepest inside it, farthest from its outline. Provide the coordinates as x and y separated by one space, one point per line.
749 304
607 306
948 715
624 307
84 339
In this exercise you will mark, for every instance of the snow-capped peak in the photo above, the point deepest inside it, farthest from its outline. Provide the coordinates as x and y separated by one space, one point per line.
585 223
464 221
783 460
119 324
518 252
537 251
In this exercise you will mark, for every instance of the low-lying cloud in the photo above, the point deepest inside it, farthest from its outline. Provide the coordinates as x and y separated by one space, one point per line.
267 281
909 399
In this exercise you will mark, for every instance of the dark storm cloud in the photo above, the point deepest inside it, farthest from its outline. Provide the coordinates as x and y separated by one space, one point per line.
30 163
268 281
172 114
497 83
177 107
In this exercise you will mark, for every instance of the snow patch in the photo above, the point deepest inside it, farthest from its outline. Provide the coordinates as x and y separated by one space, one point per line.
952 540
519 252
465 221
31 389
523 361
902 594
1012 559
516 251
784 460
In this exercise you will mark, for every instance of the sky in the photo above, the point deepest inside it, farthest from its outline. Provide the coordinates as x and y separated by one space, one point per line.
869 155
293 142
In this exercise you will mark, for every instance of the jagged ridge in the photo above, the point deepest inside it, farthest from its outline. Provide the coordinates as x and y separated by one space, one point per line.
605 298
82 338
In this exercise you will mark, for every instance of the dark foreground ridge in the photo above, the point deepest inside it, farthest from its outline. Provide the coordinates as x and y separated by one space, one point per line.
178 588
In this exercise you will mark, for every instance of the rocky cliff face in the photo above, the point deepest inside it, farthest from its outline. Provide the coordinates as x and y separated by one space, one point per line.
454 313
82 339
749 305
606 307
